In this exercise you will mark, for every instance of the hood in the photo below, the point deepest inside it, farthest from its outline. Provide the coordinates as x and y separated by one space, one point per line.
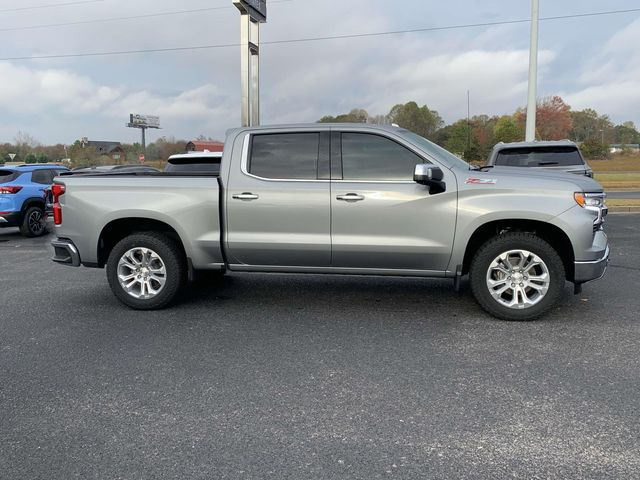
583 183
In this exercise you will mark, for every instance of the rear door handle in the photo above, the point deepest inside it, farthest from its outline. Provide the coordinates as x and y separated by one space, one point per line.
246 196
350 197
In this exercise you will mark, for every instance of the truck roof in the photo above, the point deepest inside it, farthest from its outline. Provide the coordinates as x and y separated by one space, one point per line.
319 126
541 143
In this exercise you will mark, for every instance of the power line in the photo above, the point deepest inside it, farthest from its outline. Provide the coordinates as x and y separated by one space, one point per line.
314 39
50 5
118 19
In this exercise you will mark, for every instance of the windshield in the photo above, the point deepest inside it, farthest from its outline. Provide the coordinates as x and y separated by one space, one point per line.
539 157
435 150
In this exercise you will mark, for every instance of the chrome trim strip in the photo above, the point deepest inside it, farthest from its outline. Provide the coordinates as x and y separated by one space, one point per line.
74 255
339 270
606 255
396 182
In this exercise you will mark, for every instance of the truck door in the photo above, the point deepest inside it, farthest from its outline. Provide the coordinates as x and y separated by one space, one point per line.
381 218
278 201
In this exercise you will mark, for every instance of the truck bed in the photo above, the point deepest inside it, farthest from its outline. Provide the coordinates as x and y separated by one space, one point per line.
188 203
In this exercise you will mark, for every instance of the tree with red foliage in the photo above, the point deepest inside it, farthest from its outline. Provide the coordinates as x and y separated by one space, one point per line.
553 119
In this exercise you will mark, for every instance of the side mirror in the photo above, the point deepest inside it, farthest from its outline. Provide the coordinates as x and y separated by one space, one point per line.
431 176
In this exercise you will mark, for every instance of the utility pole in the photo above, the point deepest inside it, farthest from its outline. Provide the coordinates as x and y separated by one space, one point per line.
468 120
252 14
533 73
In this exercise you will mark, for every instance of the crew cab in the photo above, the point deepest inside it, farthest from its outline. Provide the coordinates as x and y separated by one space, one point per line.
338 199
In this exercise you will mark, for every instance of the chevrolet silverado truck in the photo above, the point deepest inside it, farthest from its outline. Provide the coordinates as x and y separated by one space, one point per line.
338 199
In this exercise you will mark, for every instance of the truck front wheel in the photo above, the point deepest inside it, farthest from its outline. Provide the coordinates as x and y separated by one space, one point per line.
517 276
146 271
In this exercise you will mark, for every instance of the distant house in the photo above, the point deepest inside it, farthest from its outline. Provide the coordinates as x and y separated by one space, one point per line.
112 150
201 146
619 147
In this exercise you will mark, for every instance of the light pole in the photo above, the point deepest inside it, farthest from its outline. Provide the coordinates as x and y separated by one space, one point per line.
252 14
530 135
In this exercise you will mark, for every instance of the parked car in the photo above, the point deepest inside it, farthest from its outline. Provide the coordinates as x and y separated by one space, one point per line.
22 196
200 162
563 155
339 199
115 169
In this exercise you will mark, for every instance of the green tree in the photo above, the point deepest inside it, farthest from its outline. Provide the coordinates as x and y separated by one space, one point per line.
462 142
420 120
625 134
506 130
82 156
357 115
594 149
588 123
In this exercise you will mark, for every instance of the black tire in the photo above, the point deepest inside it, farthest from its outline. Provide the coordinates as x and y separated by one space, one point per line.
33 223
513 241
170 254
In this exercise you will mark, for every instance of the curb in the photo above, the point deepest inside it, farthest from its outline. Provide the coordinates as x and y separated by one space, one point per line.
635 209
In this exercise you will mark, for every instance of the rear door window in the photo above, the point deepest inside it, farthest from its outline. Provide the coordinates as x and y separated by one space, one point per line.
539 157
7 176
44 177
285 156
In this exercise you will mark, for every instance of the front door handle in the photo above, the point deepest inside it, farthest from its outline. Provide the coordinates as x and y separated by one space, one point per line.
246 196
350 197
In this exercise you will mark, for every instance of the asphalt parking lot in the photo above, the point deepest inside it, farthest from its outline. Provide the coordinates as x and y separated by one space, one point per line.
314 377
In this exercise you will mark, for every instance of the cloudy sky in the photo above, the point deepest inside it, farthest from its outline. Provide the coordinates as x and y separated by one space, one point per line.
589 61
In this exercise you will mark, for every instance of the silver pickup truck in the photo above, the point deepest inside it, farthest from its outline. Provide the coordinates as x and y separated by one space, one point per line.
338 199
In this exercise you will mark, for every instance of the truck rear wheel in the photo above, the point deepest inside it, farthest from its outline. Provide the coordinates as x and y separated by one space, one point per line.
517 276
146 271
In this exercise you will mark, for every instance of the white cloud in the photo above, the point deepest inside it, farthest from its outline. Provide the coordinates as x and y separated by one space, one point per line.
496 79
70 96
610 82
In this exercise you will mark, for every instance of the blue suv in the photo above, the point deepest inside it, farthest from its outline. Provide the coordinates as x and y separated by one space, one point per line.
22 196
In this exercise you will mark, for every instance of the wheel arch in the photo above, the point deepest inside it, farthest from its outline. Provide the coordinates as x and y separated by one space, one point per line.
32 202
118 229
550 233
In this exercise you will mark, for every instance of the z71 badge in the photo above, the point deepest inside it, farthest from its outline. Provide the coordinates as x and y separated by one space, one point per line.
481 181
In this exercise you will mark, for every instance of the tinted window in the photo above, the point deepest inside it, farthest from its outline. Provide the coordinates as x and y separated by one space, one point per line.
371 157
7 176
45 177
286 155
539 157
193 167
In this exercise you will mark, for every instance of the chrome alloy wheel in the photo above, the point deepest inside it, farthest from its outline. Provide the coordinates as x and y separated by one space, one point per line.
518 279
141 273
36 222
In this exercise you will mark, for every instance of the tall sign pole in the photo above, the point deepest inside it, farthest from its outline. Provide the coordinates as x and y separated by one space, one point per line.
143 122
530 135
252 14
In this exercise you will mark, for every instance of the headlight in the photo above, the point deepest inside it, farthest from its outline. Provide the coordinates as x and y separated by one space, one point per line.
587 200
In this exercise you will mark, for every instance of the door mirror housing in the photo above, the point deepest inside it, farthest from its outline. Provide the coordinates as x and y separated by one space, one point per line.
431 176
